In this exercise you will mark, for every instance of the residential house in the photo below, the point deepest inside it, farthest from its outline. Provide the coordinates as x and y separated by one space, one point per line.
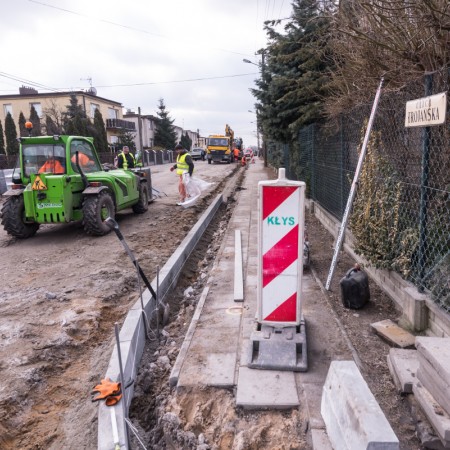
146 132
57 102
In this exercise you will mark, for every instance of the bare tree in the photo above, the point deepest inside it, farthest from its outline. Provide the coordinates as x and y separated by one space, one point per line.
398 39
55 114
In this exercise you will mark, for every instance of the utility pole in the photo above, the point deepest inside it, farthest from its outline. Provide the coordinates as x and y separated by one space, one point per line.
141 149
263 68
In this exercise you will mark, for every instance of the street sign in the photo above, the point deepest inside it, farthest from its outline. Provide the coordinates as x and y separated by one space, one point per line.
281 205
426 111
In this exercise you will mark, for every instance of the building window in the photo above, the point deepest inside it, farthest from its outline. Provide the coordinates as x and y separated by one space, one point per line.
150 125
150 142
37 107
114 139
112 113
7 108
94 106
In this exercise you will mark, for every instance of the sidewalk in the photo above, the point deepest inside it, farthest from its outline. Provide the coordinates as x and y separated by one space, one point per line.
215 350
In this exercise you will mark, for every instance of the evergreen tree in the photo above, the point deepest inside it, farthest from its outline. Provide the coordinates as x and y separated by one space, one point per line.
51 126
127 137
75 121
22 130
100 138
2 140
12 146
186 141
295 74
36 121
165 135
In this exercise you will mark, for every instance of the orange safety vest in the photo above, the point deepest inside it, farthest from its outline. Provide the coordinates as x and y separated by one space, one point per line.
52 166
83 159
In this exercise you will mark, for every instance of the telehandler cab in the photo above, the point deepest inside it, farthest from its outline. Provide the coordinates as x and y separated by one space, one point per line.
60 179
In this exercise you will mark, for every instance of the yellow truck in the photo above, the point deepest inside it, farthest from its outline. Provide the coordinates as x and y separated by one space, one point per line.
220 147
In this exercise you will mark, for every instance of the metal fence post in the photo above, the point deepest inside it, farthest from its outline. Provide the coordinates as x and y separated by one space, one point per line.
423 214
286 162
313 163
342 168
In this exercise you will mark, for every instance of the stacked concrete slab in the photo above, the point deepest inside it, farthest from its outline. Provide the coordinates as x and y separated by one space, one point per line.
433 389
353 418
403 365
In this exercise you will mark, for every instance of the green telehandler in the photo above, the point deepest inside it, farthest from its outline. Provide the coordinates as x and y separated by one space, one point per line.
60 180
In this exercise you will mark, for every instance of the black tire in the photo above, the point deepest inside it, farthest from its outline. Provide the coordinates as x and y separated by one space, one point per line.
13 215
96 209
209 161
142 205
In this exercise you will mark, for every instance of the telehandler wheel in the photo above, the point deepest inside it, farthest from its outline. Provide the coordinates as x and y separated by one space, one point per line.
142 205
13 215
96 209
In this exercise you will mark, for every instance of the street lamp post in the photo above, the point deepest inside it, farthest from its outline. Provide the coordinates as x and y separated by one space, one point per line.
263 67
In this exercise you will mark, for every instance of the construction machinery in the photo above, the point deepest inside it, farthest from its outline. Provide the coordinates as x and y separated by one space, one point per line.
220 147
59 179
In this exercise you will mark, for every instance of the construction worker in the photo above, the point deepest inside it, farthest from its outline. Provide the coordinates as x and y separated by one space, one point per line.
52 165
126 160
84 160
236 154
184 164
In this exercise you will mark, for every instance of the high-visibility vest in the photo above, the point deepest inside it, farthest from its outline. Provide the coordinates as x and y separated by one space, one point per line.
125 162
182 166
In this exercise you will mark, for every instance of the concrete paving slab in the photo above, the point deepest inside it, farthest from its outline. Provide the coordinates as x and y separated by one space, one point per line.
393 333
208 369
403 365
438 387
229 317
353 418
438 418
214 340
266 389
437 352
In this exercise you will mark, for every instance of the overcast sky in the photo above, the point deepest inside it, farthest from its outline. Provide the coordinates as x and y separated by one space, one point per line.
138 51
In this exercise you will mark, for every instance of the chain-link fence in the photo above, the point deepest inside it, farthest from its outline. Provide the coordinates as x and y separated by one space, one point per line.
401 214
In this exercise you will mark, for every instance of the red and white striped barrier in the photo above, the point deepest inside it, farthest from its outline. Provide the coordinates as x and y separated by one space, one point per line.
280 250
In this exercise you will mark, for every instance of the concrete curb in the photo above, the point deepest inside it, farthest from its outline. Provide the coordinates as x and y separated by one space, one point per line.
132 333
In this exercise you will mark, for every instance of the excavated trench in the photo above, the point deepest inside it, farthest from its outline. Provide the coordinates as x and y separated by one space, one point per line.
154 428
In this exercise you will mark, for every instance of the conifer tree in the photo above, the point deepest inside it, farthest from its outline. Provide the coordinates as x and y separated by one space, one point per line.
186 141
100 138
75 121
12 146
165 135
2 140
36 121
51 126
295 74
22 130
127 138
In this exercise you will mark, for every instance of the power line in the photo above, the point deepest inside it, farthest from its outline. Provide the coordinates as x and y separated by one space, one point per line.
146 83
176 81
23 80
129 27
